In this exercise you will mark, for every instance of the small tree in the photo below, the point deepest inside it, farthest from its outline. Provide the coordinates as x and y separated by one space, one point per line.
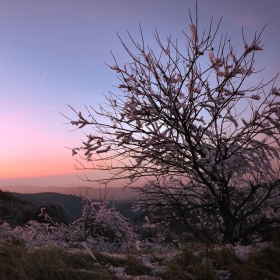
204 140
103 223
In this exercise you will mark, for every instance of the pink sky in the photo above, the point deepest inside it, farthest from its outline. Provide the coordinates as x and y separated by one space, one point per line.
53 53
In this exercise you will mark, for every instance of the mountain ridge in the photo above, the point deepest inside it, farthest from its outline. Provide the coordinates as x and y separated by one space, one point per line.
71 203
94 193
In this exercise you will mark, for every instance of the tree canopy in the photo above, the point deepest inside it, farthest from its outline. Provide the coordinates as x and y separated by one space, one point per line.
206 142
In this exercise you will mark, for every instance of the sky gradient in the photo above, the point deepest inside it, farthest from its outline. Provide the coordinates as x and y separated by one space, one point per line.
53 53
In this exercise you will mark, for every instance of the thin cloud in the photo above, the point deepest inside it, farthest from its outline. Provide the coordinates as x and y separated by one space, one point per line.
42 80
21 114
247 21
58 36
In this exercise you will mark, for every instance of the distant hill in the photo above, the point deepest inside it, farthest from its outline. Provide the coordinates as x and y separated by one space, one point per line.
113 193
15 210
22 202
69 197
71 203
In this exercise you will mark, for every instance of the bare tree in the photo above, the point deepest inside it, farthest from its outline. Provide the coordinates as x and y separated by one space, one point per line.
187 121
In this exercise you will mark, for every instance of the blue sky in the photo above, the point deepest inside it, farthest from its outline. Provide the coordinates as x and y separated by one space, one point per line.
53 53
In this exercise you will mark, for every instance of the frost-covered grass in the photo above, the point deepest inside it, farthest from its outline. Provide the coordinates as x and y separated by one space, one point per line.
193 261
104 245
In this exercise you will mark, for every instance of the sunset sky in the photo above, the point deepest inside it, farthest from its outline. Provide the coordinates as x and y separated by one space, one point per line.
52 52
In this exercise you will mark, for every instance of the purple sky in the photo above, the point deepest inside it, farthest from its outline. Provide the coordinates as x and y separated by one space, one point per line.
53 53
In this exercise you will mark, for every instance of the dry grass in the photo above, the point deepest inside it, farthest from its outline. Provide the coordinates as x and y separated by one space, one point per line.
261 264
48 263
188 265
134 267
54 263
196 261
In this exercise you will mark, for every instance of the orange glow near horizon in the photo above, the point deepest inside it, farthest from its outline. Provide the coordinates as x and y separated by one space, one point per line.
34 169
53 54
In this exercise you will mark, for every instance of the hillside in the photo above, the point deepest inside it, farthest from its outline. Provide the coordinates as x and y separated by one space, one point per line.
15 210
94 193
71 203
